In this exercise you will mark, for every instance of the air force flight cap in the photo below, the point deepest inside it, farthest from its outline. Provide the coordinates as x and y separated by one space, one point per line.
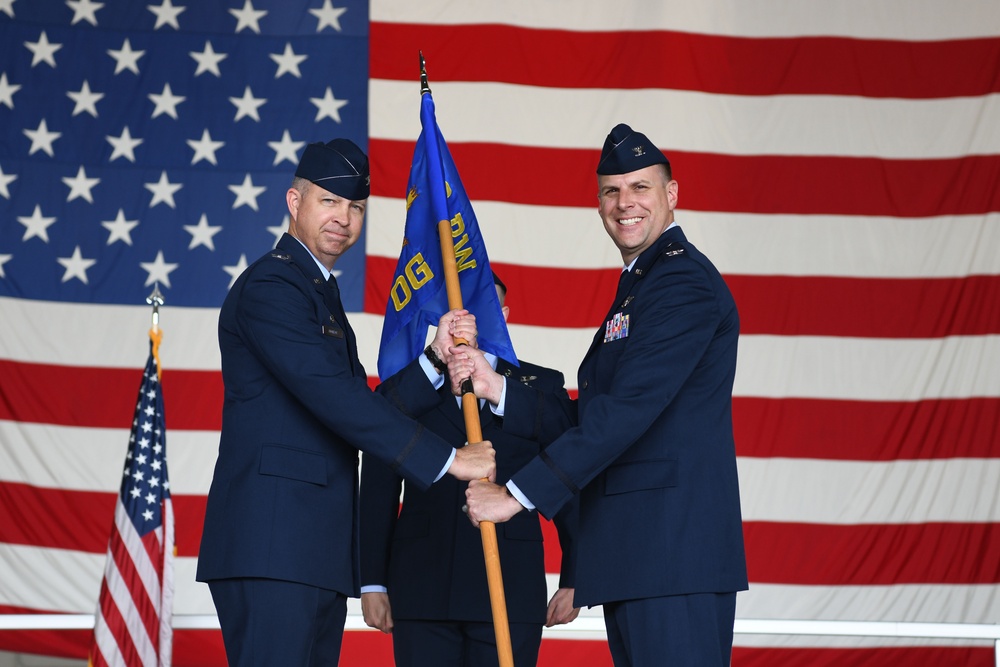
626 150
338 166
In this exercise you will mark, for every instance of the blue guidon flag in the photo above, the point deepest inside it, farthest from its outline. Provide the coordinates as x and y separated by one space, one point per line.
418 296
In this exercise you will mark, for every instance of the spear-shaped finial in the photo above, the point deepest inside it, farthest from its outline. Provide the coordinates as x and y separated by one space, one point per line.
425 87
155 300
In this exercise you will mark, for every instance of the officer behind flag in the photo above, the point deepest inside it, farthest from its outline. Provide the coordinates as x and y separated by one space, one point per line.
650 451
279 549
422 571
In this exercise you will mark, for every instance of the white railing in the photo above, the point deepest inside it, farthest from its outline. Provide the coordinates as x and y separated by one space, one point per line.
591 627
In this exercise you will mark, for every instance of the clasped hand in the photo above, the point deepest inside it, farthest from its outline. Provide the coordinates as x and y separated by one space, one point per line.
455 325
467 363
486 501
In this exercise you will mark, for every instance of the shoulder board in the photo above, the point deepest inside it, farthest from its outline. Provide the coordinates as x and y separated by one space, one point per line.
673 250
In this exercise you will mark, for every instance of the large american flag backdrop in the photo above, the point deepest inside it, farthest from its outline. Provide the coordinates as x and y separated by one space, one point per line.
839 161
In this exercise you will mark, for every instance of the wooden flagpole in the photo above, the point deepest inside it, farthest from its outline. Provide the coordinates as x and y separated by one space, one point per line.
474 434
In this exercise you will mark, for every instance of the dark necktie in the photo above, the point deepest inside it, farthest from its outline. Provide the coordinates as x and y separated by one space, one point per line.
336 307
622 283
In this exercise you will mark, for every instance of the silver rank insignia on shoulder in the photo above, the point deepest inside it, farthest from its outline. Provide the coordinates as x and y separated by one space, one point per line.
673 251
284 256
616 328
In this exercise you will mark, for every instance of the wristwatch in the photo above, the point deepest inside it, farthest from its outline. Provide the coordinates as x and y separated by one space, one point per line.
435 360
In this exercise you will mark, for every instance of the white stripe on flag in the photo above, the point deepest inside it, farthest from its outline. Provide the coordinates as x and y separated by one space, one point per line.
894 19
91 457
121 596
141 560
681 120
70 581
937 603
795 490
738 243
869 492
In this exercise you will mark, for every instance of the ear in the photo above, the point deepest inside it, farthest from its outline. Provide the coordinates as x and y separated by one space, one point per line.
506 312
293 198
672 195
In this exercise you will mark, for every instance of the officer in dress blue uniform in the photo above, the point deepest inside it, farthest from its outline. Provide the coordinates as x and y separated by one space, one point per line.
422 569
650 449
280 541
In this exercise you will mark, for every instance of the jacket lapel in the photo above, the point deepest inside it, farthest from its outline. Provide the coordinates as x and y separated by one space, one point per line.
639 270
327 290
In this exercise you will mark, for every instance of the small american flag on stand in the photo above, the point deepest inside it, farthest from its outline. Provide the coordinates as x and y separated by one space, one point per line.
132 625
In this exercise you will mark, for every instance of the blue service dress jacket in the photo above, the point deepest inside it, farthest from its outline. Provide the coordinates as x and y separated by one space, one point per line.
429 556
650 451
283 502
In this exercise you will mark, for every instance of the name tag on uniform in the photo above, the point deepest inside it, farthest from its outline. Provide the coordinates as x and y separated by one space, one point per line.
334 331
616 328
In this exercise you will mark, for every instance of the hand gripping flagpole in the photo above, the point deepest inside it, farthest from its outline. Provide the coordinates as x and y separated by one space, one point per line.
473 428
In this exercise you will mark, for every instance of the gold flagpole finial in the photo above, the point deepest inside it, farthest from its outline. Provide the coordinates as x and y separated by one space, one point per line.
425 87
155 300
155 335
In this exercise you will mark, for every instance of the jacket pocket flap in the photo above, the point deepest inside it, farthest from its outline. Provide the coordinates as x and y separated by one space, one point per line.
293 464
641 476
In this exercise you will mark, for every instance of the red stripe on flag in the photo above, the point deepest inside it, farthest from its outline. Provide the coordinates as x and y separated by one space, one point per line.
34 387
527 304
573 652
910 656
866 430
68 395
59 643
79 520
374 649
815 554
192 648
115 622
707 63
204 648
872 555
55 518
778 184
788 427
867 307
146 608
861 555
776 305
